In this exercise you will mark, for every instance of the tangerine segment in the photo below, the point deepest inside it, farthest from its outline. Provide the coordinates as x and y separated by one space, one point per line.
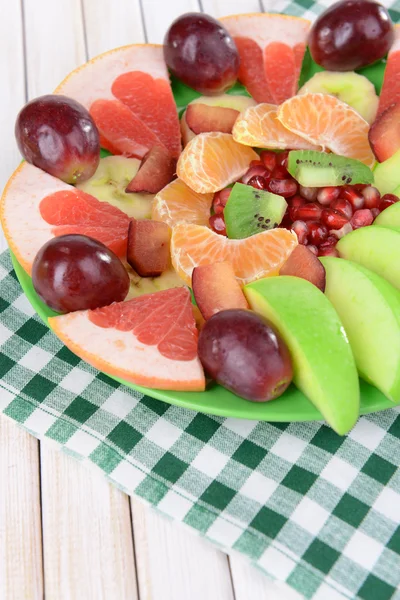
211 161
151 100
324 120
259 127
260 255
35 207
150 341
178 203
390 93
269 68
121 130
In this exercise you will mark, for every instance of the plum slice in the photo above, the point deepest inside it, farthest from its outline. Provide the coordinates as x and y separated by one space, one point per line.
148 247
303 263
202 118
156 171
384 135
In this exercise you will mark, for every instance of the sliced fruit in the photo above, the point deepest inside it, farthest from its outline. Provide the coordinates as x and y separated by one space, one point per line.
387 174
384 135
211 161
390 217
178 203
259 127
319 169
269 68
358 296
258 256
36 207
376 248
148 247
134 77
353 89
324 120
235 102
109 182
150 341
323 363
249 211
156 171
148 285
303 263
202 118
390 92
216 288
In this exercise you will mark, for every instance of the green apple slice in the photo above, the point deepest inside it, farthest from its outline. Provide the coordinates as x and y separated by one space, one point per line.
390 217
387 174
369 308
323 363
376 248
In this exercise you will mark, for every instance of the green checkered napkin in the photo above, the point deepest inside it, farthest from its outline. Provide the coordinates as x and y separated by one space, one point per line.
319 511
316 510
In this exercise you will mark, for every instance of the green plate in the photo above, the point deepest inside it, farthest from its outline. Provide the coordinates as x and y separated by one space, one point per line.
293 405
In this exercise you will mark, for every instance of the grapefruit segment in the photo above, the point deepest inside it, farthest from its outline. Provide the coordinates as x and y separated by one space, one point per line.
324 120
390 93
211 161
260 255
269 68
149 341
35 207
260 127
136 78
178 203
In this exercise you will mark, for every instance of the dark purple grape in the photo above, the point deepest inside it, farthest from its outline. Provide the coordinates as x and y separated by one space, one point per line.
76 272
201 53
58 135
351 34
243 352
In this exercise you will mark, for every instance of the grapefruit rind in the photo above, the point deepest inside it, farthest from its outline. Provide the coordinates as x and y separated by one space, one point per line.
265 28
259 127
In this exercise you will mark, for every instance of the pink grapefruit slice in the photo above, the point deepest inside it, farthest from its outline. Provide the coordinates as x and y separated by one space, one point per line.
128 92
36 207
390 93
149 341
271 49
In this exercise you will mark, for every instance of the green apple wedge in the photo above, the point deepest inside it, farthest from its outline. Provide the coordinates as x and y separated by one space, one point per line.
323 362
387 174
390 217
376 248
369 308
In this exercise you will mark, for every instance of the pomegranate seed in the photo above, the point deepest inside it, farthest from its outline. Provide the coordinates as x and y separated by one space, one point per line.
317 233
387 200
258 182
301 230
256 163
309 193
355 198
296 201
333 219
269 159
371 196
283 187
217 224
360 186
375 212
362 218
220 200
339 233
331 240
309 212
286 222
313 249
328 251
280 172
343 206
326 195
282 158
253 171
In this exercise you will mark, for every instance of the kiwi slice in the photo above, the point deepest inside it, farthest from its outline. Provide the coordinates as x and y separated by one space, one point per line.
249 211
320 169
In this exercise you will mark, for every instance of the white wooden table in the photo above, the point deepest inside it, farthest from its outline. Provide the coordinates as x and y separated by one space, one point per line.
64 532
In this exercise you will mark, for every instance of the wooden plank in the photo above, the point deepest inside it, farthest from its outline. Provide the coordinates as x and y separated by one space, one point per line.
87 534
112 24
20 525
172 564
249 582
159 14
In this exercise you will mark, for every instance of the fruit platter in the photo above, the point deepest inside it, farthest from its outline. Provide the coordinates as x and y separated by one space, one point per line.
215 221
